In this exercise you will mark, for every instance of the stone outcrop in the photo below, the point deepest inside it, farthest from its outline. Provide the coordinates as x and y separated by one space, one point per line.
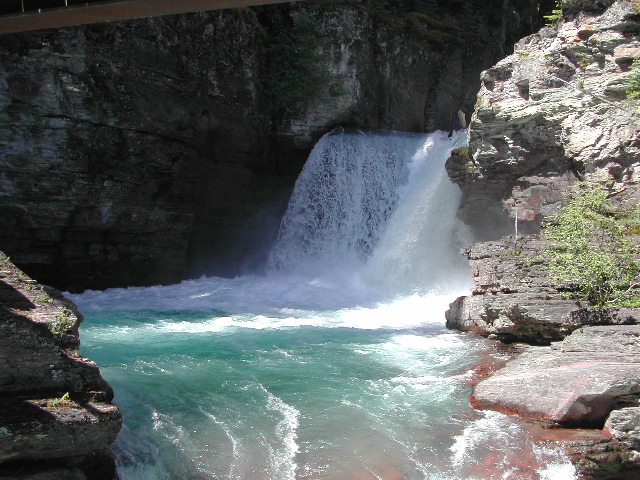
577 382
590 379
550 113
57 420
514 299
553 113
145 151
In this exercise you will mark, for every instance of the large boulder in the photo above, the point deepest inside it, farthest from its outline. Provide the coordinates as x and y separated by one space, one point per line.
574 383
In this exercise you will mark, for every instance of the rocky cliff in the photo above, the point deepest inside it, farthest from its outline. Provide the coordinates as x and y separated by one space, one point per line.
145 151
56 418
516 300
551 114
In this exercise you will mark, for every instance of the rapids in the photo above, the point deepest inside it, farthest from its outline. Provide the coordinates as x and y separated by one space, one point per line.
335 364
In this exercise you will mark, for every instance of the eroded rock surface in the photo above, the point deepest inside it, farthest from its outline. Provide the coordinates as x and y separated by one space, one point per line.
589 379
57 420
515 299
552 112
577 382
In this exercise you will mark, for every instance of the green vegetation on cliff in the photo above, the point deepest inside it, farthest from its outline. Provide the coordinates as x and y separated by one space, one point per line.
633 84
591 250
556 14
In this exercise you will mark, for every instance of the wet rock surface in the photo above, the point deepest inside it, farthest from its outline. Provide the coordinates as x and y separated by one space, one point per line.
588 369
57 420
590 378
577 383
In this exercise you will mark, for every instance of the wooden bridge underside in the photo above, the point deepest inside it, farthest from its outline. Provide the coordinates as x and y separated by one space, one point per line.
61 13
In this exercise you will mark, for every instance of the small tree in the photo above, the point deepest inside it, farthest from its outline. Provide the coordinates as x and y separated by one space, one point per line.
590 247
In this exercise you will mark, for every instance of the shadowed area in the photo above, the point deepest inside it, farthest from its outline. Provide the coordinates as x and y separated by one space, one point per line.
12 298
27 15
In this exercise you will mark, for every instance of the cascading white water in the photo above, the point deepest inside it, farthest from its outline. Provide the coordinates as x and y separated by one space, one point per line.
342 199
376 203
335 364
419 248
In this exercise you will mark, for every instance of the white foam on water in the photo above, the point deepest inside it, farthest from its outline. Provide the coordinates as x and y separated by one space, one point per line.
496 446
235 447
555 463
372 217
137 458
398 314
369 242
283 459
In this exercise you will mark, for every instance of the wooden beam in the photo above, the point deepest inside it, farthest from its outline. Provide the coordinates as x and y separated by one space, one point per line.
114 11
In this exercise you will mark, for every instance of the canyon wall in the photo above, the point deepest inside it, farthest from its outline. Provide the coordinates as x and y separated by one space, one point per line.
146 151
552 112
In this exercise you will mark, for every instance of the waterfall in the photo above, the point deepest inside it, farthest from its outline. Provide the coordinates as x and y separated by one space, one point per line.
333 364
379 203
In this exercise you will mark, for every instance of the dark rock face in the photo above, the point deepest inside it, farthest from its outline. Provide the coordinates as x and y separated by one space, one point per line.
56 419
145 151
552 112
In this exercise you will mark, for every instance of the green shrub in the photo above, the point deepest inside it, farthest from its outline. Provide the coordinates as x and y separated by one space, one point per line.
62 324
633 83
556 14
64 401
590 249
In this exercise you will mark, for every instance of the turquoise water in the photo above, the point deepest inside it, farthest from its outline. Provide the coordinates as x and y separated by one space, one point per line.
313 395
335 364
247 403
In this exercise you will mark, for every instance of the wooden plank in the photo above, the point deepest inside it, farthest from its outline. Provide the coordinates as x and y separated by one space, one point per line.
114 11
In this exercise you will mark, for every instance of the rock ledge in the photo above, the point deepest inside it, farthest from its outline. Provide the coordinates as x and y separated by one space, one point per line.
56 420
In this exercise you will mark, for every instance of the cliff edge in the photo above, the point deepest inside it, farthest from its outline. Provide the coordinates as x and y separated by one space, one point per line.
554 113
57 420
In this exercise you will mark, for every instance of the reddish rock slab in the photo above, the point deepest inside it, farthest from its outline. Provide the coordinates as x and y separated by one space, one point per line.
569 388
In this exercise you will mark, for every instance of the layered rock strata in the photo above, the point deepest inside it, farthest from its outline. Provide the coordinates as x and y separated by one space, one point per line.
140 152
595 368
515 299
552 112
57 419
590 379
586 375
